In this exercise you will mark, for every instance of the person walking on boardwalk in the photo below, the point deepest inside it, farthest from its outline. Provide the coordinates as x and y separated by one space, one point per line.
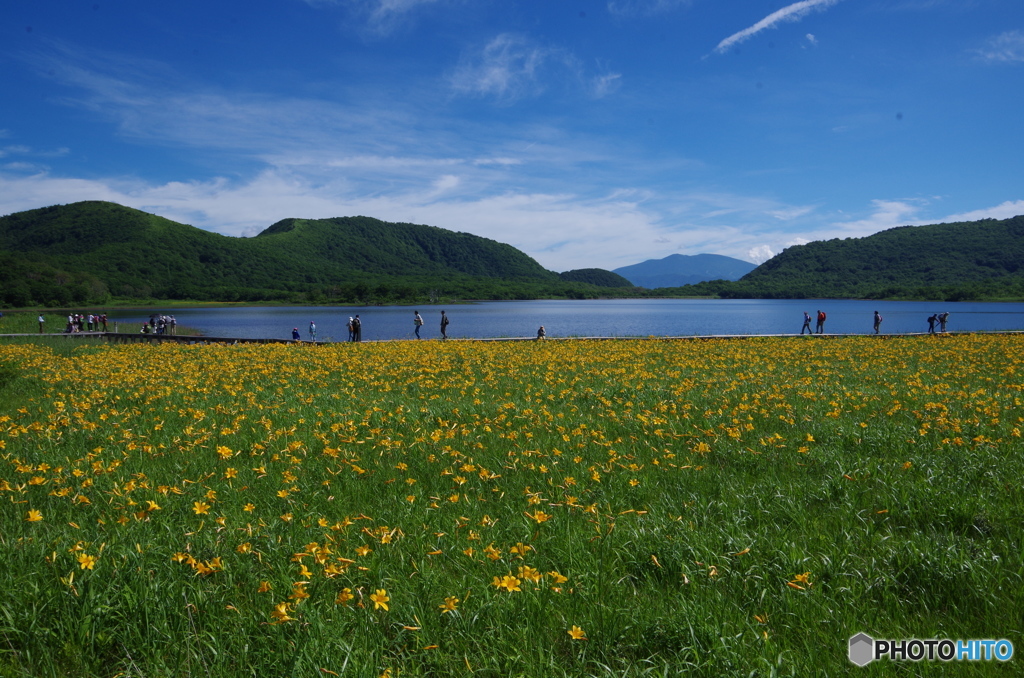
417 321
312 331
295 334
541 333
444 325
41 321
357 329
820 328
931 323
351 329
878 321
943 318
807 324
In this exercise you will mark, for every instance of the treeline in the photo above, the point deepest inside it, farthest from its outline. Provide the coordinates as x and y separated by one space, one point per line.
22 287
26 281
1009 288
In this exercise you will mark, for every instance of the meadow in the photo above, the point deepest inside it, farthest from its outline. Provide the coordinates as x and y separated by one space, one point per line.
560 508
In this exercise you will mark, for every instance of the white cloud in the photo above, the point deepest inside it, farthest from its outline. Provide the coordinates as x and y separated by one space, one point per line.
604 85
811 39
760 254
381 16
790 213
1006 47
446 183
507 68
794 12
644 7
24 166
512 67
887 214
498 161
1006 210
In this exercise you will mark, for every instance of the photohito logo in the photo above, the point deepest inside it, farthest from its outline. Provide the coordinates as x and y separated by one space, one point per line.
864 649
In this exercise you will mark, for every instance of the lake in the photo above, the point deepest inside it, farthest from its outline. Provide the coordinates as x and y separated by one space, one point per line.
599 317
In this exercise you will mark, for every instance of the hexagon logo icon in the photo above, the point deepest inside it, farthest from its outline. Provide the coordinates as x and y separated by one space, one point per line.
862 649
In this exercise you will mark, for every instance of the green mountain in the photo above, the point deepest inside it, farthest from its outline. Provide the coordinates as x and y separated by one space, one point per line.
595 276
89 251
957 261
684 269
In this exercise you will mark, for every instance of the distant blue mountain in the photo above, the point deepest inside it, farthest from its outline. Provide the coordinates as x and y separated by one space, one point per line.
682 269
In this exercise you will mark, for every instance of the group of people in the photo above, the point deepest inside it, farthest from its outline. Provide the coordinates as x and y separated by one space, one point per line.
312 332
941 318
417 323
819 328
355 328
159 324
78 322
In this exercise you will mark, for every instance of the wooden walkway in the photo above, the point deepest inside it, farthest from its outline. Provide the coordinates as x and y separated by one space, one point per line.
139 338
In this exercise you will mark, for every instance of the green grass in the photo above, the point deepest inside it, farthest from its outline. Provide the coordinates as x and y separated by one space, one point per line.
717 508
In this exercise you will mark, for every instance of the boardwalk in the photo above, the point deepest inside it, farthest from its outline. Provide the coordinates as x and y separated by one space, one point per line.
139 338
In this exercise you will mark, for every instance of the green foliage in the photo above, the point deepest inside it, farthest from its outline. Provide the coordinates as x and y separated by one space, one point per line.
86 252
956 262
595 276
29 280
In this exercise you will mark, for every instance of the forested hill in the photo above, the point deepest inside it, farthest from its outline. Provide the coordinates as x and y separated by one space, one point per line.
965 260
377 247
90 250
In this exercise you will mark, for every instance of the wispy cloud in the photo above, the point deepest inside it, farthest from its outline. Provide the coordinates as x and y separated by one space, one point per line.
794 12
887 214
644 7
511 67
506 68
1006 47
381 16
1006 210
606 84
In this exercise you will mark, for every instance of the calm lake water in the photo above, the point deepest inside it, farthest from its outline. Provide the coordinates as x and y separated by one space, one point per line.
616 317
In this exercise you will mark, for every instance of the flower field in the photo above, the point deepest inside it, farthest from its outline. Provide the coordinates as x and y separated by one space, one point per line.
612 508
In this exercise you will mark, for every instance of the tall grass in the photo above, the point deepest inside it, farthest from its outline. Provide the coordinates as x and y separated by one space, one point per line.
663 507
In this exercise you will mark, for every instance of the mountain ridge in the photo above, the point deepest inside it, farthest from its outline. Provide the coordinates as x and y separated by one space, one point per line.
684 269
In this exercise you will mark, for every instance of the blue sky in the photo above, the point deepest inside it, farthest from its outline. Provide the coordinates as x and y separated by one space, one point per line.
586 133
